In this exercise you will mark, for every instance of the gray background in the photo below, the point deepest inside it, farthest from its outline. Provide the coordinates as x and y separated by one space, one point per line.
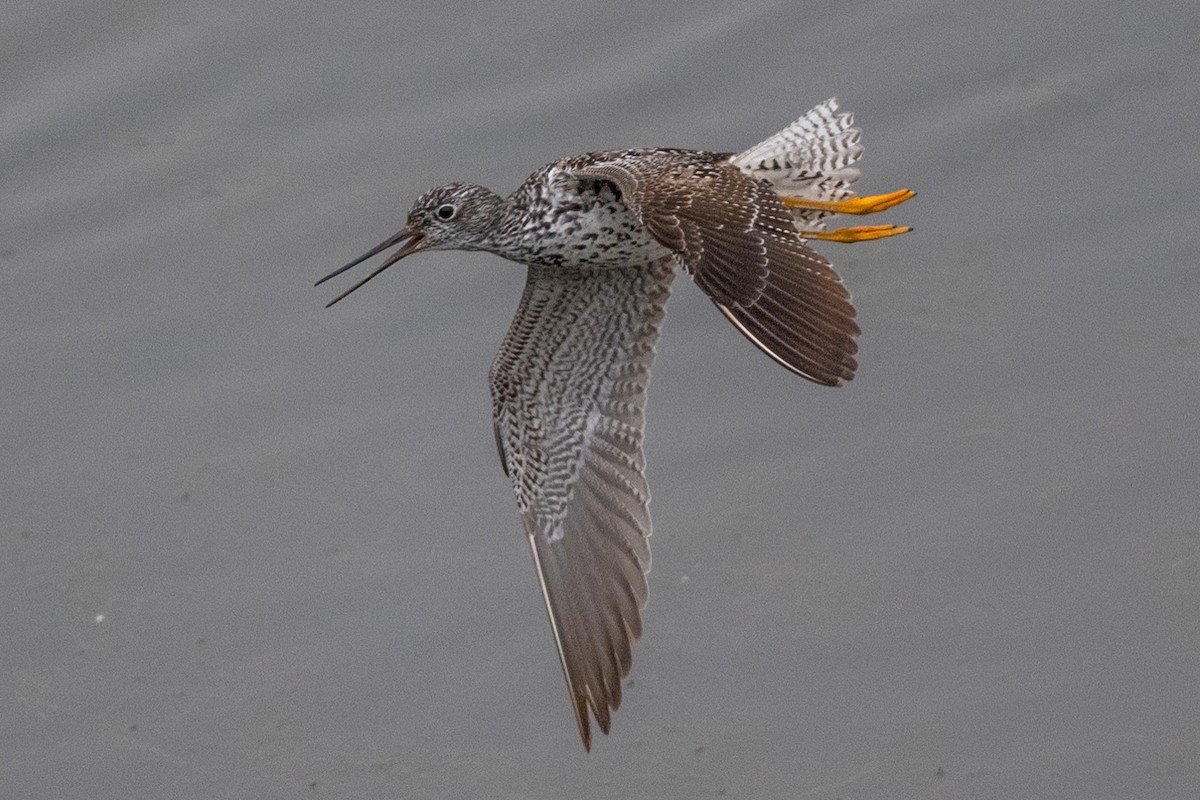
252 548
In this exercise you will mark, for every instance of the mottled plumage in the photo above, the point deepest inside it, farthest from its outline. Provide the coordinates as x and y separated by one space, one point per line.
602 235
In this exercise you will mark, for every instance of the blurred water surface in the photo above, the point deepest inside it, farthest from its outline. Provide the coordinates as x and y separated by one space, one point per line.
254 548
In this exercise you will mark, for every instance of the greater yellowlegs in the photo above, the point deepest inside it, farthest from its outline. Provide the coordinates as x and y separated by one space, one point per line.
602 235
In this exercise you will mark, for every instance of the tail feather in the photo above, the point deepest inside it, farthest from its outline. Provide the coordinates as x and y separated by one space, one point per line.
813 157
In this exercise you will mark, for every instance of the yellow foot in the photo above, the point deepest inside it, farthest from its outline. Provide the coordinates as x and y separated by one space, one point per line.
862 233
855 205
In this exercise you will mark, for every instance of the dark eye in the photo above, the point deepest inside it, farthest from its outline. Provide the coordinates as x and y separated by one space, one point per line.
446 212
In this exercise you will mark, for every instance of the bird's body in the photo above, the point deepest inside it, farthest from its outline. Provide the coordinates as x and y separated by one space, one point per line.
602 236
560 220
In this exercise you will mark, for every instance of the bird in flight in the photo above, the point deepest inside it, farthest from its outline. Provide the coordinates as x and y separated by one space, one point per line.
602 236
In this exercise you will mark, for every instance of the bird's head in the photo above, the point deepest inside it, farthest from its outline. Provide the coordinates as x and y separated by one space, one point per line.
458 216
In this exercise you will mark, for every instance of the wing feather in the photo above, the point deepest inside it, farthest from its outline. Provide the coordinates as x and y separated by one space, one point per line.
569 403
740 245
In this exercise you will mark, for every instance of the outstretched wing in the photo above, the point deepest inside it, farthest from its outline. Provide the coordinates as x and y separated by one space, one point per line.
569 396
739 243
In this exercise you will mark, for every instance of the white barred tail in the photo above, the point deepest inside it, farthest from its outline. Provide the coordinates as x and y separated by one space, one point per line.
813 158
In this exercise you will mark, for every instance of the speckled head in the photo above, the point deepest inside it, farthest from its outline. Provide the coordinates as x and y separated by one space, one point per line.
457 216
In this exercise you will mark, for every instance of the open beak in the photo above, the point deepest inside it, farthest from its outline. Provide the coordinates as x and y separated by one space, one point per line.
415 242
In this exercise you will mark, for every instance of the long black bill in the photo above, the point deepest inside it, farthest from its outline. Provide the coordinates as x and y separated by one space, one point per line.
413 243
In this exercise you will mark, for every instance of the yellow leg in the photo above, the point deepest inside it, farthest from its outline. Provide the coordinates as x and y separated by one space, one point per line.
855 205
862 233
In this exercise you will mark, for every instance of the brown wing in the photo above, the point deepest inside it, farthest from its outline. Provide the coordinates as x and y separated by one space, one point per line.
739 243
569 394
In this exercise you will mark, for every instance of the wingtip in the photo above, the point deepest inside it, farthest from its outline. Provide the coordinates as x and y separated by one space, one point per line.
585 728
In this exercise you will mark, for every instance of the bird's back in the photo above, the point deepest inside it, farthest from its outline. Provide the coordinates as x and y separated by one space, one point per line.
571 221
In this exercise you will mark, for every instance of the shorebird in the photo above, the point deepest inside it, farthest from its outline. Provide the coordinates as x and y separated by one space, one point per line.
602 236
